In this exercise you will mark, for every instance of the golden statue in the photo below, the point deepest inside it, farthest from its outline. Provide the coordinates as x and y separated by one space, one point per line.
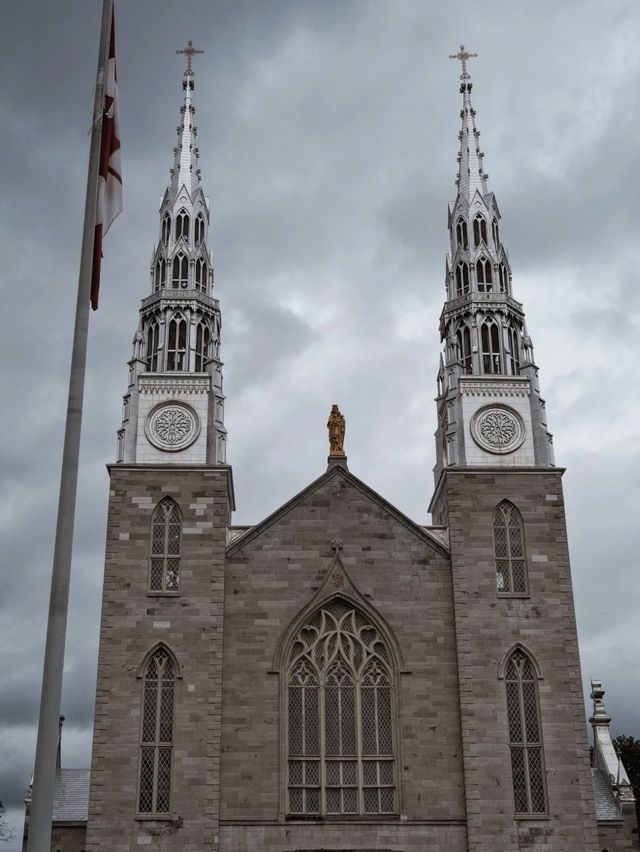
336 427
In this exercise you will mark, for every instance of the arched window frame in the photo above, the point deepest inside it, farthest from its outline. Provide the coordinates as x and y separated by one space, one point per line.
462 233
513 335
510 551
160 275
291 653
166 229
503 277
462 278
202 273
182 225
463 344
479 230
180 277
484 275
491 346
198 229
153 346
203 346
158 673
177 351
165 559
521 674
495 232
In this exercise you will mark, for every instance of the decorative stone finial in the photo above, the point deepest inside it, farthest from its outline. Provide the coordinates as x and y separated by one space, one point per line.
336 426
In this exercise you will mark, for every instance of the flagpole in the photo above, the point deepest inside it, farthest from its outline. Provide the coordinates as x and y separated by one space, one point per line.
44 775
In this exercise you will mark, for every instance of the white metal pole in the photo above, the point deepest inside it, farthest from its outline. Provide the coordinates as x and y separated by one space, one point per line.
44 774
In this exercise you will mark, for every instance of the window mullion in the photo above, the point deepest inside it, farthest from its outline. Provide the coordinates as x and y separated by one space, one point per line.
359 767
525 752
323 722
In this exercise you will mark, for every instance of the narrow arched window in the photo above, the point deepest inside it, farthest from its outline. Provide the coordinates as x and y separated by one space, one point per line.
461 234
160 279
525 736
491 350
166 541
484 275
479 230
514 351
508 543
166 229
156 740
504 278
198 229
495 232
153 346
341 756
203 343
201 274
462 278
177 343
182 225
463 343
180 271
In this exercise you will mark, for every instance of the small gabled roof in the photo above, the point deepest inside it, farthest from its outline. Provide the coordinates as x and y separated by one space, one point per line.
71 795
334 471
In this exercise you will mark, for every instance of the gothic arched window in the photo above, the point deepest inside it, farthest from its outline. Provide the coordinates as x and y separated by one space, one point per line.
182 225
495 232
160 278
514 350
484 275
201 274
525 736
462 278
491 350
340 716
177 344
508 543
180 271
156 739
166 540
166 229
198 229
153 346
461 233
479 230
504 278
203 343
463 343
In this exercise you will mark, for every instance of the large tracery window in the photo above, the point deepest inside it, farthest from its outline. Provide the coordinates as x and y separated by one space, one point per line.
156 740
340 716
177 344
182 225
525 736
491 351
462 278
153 347
484 275
479 230
461 234
180 276
166 538
508 542
198 229
203 344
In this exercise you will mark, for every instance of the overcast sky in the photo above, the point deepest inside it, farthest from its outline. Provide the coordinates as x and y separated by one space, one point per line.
328 140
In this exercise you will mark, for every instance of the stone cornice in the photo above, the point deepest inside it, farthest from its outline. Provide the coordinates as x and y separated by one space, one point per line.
163 383
500 386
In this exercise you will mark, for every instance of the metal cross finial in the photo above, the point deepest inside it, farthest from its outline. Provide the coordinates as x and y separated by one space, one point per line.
461 55
189 51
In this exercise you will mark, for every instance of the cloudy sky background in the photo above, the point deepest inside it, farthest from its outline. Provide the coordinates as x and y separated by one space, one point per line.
328 139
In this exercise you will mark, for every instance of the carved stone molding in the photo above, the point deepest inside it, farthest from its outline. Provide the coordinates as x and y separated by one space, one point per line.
503 387
173 385
497 429
172 426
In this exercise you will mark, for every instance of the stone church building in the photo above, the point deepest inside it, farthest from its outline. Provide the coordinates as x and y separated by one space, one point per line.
339 676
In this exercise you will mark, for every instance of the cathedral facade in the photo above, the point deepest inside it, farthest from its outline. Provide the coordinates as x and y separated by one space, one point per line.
339 676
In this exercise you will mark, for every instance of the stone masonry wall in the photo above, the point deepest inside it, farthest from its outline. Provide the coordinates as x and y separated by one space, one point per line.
133 621
486 628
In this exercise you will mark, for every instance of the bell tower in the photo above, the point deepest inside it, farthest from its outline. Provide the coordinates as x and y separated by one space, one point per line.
173 411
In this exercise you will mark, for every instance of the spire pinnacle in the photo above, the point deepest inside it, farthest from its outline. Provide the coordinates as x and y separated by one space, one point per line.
471 175
185 170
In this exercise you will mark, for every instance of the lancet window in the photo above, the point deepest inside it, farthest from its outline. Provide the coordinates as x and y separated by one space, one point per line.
503 276
491 350
525 736
484 275
462 278
153 347
177 343
341 756
160 277
180 271
166 229
182 225
514 351
203 345
495 232
156 740
166 541
202 271
508 542
198 229
463 344
462 234
479 230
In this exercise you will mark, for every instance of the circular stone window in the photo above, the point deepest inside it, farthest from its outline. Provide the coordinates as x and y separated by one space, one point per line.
172 426
497 429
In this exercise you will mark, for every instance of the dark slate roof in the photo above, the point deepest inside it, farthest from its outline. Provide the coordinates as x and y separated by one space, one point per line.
71 796
606 806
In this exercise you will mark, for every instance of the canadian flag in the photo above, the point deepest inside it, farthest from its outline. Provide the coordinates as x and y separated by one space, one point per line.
109 203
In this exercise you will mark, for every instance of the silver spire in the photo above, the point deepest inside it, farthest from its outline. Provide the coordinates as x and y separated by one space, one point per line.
471 176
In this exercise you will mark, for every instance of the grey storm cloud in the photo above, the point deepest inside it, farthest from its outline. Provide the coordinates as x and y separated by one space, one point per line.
328 138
